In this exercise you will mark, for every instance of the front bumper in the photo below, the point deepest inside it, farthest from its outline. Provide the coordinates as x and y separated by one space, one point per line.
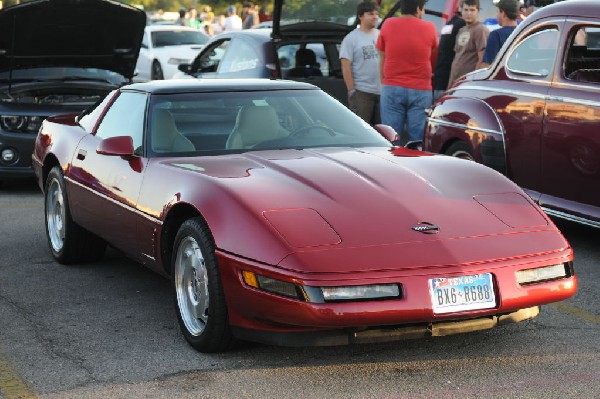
261 316
386 334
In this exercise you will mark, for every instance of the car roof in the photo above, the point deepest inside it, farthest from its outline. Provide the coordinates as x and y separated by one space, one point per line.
588 8
216 85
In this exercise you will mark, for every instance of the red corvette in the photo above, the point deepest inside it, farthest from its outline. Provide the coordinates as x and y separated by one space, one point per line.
281 217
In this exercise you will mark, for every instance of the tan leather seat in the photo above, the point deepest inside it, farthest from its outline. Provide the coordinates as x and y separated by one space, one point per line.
165 136
253 125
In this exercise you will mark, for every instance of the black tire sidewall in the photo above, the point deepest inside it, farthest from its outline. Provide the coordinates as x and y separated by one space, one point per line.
459 146
154 76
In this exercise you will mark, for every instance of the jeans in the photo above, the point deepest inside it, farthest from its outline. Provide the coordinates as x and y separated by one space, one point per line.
400 106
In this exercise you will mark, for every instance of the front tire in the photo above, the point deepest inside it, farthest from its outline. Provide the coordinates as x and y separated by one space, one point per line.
68 242
461 150
157 72
198 291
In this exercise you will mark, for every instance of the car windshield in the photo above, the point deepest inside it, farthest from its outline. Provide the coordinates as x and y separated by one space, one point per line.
223 122
177 38
335 11
62 74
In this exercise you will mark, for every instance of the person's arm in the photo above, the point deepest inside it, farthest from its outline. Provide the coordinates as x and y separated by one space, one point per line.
481 46
347 74
480 63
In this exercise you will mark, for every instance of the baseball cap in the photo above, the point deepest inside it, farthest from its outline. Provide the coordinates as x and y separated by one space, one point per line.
231 8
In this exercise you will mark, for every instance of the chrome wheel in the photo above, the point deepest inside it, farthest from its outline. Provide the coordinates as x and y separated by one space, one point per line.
191 286
55 215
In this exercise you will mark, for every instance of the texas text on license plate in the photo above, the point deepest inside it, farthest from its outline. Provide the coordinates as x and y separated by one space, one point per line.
456 294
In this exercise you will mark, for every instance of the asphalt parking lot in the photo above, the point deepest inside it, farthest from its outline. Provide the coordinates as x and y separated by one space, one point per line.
108 329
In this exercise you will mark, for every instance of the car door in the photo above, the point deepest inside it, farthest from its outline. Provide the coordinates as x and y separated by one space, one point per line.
109 185
242 59
518 95
571 134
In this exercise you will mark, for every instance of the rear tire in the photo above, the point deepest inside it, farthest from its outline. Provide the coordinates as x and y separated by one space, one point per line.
157 72
198 291
461 150
68 242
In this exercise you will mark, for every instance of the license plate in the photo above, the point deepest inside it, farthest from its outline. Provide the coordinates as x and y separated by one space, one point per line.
457 294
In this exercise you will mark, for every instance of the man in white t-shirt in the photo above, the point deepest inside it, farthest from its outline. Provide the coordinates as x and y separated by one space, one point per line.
360 64
233 22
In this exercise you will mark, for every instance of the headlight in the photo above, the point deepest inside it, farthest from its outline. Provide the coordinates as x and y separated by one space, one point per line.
177 61
540 274
21 123
321 294
360 292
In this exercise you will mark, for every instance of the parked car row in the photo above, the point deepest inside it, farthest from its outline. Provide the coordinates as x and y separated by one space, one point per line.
256 196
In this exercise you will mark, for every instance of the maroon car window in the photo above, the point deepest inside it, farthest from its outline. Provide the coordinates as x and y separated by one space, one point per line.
582 63
535 55
125 118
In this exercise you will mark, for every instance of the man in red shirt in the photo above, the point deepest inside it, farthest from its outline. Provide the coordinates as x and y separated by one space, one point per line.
407 48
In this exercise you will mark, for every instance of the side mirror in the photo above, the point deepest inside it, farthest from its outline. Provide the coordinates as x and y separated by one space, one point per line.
121 146
414 145
185 68
388 133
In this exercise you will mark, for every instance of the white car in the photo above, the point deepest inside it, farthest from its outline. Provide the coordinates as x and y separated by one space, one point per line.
164 47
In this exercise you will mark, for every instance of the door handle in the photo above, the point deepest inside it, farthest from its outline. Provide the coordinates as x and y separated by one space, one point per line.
81 154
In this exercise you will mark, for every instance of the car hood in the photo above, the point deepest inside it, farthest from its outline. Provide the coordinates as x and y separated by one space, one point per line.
98 34
319 201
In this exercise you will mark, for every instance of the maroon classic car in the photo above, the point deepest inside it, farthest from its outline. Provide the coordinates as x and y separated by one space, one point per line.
534 114
282 217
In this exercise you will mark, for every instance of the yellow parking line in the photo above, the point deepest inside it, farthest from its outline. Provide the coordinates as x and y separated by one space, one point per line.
580 313
12 386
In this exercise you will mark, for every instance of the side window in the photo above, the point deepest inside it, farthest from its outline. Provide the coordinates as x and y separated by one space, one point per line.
286 56
125 118
89 117
211 58
293 59
240 56
535 55
583 55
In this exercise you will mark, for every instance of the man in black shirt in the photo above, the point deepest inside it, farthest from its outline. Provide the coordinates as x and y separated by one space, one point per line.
445 56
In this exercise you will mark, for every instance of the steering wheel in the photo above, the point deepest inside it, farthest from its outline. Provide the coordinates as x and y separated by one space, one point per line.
305 129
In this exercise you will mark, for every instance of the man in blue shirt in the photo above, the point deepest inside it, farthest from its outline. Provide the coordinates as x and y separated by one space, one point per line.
508 12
